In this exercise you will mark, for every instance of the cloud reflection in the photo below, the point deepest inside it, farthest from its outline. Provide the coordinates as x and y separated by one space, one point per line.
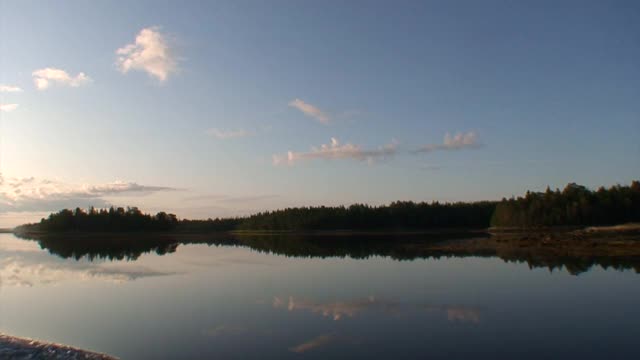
38 269
314 343
458 313
338 310
225 330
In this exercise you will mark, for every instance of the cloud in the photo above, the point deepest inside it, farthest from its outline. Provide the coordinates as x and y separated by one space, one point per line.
230 198
44 78
310 110
314 343
9 88
227 134
32 194
335 150
8 107
456 142
150 53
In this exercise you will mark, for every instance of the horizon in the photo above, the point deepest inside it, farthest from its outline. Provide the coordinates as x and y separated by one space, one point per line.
228 109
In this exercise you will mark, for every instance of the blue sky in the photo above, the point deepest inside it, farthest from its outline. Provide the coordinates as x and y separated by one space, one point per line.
223 108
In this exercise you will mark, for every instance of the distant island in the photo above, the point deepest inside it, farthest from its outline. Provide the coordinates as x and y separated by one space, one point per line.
574 206
575 228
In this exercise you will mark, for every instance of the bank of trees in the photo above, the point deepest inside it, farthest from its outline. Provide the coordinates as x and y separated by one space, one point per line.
104 220
397 215
575 205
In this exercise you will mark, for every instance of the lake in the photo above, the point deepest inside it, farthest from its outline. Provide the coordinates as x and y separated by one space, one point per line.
280 299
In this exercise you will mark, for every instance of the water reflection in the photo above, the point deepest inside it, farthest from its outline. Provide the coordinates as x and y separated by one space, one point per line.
23 264
338 310
319 299
335 310
37 270
317 342
458 313
406 247
225 330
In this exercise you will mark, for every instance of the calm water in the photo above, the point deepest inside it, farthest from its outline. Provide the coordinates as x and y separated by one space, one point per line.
207 301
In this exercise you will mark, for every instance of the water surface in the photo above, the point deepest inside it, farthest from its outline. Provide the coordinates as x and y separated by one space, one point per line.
191 301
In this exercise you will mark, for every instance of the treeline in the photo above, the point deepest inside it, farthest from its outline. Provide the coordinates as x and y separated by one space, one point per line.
397 215
103 220
575 205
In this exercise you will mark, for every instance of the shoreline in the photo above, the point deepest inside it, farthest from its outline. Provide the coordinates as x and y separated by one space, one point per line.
13 347
605 229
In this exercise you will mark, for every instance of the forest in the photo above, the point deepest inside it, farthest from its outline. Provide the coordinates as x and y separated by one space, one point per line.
103 220
575 205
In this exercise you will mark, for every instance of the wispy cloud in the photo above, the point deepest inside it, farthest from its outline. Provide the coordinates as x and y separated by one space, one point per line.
230 198
310 110
9 89
8 107
150 53
455 142
32 194
227 134
335 150
44 78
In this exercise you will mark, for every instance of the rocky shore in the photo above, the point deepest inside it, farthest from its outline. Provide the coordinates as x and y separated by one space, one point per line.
14 348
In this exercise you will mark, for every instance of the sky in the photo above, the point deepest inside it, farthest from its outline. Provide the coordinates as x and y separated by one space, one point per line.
225 108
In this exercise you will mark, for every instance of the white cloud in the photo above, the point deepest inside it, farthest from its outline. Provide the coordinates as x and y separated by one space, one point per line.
150 53
335 150
31 194
9 88
310 110
44 78
456 142
228 134
8 107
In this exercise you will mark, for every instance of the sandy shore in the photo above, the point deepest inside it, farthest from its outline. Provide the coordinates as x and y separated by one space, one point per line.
14 348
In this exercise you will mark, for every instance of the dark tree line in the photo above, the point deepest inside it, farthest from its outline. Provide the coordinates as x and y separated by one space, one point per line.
397 215
575 205
210 225
104 220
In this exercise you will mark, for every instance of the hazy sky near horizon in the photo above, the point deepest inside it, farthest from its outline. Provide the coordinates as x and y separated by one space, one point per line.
222 108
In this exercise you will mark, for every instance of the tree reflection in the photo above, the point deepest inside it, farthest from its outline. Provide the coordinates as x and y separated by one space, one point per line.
575 260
